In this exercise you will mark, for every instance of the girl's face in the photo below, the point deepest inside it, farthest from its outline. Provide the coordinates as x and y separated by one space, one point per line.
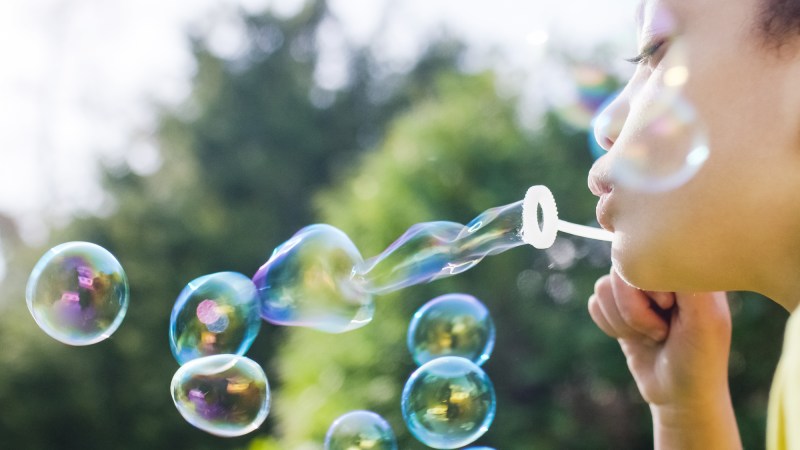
736 224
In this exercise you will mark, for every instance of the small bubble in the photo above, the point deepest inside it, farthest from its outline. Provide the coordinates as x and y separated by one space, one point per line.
452 325
214 314
448 403
225 395
78 293
360 430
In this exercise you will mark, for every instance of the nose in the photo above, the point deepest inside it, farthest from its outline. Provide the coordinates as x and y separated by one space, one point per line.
608 124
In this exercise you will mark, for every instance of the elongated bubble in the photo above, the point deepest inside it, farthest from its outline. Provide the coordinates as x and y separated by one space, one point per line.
433 250
360 430
214 314
307 282
225 395
449 402
78 293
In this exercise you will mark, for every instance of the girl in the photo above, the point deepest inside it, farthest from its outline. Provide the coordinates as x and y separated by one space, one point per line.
734 226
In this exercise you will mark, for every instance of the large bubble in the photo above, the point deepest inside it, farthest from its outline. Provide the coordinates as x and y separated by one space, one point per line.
451 325
214 314
448 403
307 282
225 395
78 293
660 142
360 430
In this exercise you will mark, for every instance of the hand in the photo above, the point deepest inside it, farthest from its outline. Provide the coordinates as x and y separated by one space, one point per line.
676 344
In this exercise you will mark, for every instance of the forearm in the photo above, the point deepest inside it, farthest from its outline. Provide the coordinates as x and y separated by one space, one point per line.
703 425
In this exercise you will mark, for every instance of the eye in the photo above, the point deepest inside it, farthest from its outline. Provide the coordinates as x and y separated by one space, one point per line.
651 54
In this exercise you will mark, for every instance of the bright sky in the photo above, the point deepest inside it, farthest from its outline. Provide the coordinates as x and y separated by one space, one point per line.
79 76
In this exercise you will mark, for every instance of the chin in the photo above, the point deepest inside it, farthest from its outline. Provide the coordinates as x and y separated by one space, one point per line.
644 267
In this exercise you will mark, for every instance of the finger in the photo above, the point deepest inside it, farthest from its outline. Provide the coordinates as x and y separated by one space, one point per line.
608 305
636 309
664 300
599 318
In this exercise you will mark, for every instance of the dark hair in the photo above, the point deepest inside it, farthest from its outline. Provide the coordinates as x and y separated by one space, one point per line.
780 19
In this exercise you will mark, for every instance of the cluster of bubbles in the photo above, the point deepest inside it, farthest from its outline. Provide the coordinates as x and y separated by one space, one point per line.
449 401
214 321
78 293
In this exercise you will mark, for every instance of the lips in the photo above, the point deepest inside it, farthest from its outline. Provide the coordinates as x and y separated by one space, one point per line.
601 186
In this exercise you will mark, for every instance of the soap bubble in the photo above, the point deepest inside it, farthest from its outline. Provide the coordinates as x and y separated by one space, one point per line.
214 314
451 325
78 293
225 395
432 250
360 430
662 143
307 282
448 403
669 151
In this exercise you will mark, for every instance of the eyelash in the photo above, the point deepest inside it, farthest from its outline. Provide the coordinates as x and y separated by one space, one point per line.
647 54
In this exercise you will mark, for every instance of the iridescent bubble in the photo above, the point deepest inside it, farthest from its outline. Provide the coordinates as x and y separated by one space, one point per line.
360 430
668 151
214 314
78 293
307 282
659 140
448 403
451 325
433 250
225 395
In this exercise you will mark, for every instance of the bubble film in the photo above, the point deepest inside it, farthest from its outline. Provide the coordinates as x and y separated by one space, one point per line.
360 430
448 403
307 282
214 314
225 395
433 250
669 151
660 142
78 293
451 325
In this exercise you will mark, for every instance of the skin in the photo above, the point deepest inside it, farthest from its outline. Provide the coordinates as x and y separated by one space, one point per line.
731 227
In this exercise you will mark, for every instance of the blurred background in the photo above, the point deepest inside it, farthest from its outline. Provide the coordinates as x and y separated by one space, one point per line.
190 137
